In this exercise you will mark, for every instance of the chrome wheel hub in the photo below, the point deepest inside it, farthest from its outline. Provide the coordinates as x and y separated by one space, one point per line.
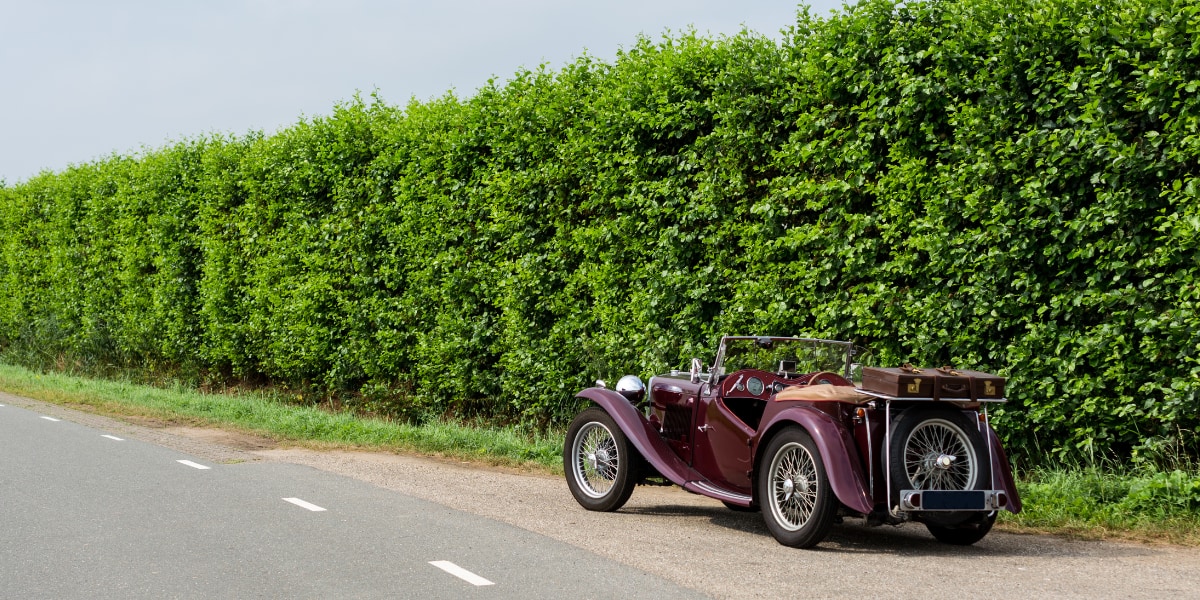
597 459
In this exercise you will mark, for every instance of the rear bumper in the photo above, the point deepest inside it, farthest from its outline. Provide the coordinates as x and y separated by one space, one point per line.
953 500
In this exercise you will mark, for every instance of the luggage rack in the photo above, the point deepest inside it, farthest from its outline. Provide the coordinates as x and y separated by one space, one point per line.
889 398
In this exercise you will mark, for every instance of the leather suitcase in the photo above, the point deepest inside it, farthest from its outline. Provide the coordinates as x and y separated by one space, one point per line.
899 382
951 384
945 383
984 385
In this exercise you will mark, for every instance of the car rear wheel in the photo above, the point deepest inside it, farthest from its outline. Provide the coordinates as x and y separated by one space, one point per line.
938 449
794 491
964 534
598 461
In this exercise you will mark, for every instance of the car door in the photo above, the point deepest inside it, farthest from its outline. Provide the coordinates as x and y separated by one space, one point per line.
721 451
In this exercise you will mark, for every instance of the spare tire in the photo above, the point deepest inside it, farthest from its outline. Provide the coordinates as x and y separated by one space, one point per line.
938 449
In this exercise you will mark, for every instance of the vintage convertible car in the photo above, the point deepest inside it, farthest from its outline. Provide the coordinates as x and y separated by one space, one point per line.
776 424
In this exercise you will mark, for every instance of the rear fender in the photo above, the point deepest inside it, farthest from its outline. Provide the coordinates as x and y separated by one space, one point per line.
837 449
641 434
1002 472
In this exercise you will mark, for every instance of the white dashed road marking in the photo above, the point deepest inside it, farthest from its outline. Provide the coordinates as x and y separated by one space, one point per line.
51 419
113 437
460 572
303 504
192 464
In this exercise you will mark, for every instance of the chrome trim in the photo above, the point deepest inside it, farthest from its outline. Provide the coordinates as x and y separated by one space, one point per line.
696 373
737 385
887 457
716 491
988 434
992 500
870 449
632 388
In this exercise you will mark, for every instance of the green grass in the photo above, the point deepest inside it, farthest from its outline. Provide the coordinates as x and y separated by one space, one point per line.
1093 502
275 418
1146 503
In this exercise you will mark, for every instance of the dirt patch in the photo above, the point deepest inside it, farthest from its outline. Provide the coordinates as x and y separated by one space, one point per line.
225 437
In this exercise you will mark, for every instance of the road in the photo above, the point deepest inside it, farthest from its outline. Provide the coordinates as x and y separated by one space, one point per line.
665 542
93 512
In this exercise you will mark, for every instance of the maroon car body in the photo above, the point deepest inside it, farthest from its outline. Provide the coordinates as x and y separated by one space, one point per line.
776 424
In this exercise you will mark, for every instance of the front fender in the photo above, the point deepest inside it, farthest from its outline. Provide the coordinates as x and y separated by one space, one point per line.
641 434
837 449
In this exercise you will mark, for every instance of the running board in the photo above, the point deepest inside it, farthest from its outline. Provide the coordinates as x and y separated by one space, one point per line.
705 488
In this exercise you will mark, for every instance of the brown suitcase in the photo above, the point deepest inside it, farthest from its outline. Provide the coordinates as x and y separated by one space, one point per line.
984 385
951 384
899 382
945 383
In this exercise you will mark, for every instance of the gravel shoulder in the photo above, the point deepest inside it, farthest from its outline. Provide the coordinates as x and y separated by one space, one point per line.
698 543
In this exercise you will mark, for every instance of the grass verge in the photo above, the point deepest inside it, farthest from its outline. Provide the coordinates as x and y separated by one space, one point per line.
1112 502
1090 502
263 415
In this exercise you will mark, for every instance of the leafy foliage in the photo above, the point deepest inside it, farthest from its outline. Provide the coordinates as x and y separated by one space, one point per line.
1011 186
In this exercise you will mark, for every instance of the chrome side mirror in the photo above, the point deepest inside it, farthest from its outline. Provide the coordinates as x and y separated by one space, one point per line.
697 368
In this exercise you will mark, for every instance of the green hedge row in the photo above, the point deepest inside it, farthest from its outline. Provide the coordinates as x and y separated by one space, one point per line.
1007 185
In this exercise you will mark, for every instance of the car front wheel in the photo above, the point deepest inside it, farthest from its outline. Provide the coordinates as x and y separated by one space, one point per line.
794 491
598 461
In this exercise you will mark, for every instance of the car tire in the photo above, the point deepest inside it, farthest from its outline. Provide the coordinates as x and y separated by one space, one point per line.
599 461
794 490
964 534
919 436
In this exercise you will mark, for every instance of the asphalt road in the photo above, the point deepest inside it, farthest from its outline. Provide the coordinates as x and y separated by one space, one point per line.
664 543
91 512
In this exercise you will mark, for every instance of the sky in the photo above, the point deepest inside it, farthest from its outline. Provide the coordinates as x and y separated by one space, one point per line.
80 80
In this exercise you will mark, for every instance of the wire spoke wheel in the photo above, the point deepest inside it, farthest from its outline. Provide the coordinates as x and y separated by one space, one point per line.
600 463
596 459
793 486
794 491
938 456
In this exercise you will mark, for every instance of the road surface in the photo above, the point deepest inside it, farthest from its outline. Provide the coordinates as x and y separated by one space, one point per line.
664 543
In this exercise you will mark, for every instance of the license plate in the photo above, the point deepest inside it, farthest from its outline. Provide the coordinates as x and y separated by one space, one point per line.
954 500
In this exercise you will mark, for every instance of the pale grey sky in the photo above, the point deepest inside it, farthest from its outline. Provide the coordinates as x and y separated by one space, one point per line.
83 79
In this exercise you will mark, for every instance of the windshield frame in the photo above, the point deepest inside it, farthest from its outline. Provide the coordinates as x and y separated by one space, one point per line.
848 350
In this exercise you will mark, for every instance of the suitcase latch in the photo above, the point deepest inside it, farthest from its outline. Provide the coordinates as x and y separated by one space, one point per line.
915 386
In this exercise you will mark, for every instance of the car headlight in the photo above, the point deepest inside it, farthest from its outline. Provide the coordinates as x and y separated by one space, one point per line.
632 388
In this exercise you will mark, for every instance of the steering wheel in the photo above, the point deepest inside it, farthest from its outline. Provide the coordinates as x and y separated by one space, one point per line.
827 377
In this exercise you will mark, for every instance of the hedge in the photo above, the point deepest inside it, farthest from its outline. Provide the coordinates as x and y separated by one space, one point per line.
1005 185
